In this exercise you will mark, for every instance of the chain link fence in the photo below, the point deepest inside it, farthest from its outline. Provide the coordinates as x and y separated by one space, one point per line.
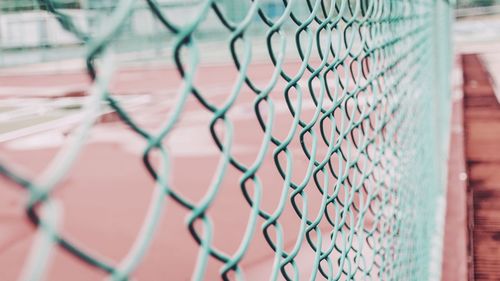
375 76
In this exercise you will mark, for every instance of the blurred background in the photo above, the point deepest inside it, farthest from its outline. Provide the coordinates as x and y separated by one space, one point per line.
29 35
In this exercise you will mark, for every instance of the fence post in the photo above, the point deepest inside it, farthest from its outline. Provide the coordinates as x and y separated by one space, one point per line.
441 69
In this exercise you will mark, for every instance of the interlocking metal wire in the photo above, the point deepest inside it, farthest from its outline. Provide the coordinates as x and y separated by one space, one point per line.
377 112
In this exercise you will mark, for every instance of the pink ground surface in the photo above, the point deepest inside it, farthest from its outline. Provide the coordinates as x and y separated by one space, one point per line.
106 194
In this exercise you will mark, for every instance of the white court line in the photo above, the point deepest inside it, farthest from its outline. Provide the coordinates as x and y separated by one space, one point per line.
64 122
47 126
41 92
33 108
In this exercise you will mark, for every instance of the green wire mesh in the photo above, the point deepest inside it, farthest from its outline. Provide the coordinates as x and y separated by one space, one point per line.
377 73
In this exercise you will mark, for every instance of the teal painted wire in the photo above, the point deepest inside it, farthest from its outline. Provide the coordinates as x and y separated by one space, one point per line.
374 113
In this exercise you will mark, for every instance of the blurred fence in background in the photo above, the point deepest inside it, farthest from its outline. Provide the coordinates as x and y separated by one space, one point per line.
462 12
476 3
29 34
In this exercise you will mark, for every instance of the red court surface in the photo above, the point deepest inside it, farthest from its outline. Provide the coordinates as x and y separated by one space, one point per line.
105 196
